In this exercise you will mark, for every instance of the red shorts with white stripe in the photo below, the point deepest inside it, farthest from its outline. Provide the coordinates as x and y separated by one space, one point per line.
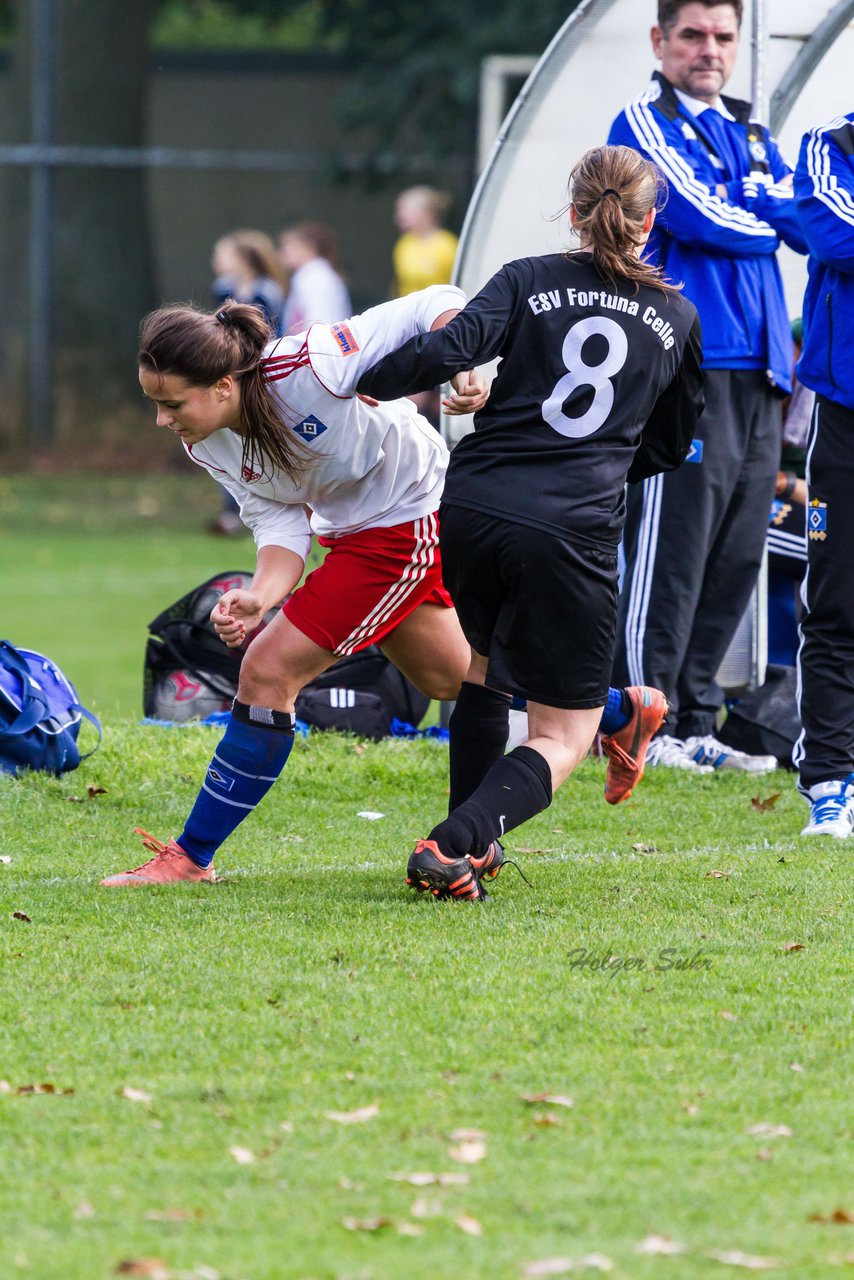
369 582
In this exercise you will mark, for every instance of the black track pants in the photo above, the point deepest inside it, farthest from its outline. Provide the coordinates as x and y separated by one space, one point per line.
693 544
825 749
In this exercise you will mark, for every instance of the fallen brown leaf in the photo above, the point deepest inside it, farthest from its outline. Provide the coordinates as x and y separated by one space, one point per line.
794 946
750 1262
640 847
21 915
553 1099
795 1066
366 1224
839 1216
47 1087
727 1016
546 1119
172 1215
359 1116
95 791
4 859
154 1268
469 1226
690 1108
548 1267
767 803
765 1153
409 1229
467 1135
658 1246
719 875
770 1131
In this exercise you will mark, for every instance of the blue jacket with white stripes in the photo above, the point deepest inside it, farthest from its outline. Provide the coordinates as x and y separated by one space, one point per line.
722 248
824 199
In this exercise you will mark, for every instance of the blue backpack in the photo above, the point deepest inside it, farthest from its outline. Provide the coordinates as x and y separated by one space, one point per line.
40 714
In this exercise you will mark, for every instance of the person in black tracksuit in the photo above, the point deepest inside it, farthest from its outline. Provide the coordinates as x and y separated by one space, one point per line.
599 381
824 754
694 540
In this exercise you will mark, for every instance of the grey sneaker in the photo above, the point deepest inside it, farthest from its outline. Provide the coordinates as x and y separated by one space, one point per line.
673 753
709 751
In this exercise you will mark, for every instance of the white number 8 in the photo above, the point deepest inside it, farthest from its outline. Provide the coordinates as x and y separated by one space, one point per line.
580 374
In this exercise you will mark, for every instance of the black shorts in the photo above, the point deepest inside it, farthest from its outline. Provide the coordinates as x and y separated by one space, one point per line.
542 609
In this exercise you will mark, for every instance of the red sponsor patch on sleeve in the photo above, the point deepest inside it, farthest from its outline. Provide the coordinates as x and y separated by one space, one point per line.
344 337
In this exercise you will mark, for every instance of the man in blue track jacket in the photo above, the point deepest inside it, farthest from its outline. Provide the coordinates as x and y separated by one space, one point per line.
694 537
824 199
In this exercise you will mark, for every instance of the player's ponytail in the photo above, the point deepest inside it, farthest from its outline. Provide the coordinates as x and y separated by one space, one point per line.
612 189
203 346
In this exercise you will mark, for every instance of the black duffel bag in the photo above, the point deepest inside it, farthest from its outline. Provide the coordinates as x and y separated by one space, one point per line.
189 673
765 722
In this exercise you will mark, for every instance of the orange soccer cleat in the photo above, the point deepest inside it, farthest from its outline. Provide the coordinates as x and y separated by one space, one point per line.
626 749
170 865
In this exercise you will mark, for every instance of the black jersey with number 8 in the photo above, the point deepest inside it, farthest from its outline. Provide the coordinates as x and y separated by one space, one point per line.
598 383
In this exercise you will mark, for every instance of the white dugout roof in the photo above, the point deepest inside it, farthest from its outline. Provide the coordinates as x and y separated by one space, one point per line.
599 60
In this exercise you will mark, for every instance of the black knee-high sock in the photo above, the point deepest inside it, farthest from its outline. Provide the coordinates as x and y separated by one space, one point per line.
479 725
516 788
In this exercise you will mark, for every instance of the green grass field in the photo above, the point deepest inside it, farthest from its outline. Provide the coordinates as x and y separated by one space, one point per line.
310 981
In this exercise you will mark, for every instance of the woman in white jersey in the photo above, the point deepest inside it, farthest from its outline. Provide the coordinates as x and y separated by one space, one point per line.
279 424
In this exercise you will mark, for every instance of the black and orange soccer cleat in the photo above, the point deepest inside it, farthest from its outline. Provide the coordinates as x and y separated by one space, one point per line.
491 862
429 869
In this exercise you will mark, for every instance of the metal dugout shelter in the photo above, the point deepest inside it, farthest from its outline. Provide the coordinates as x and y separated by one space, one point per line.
794 64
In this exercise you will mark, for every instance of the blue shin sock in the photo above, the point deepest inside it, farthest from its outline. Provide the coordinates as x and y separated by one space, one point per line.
616 713
248 760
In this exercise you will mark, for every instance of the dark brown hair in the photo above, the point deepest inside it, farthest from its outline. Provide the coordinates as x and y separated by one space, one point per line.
612 189
668 10
203 346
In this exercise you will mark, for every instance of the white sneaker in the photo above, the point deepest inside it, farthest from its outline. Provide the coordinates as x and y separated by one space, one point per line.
673 753
709 751
831 809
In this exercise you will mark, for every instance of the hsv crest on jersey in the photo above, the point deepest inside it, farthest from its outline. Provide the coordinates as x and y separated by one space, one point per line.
310 428
695 453
342 335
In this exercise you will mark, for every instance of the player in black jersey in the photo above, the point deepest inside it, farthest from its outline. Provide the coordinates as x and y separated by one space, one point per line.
599 382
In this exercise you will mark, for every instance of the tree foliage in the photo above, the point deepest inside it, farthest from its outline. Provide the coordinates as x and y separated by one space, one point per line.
417 65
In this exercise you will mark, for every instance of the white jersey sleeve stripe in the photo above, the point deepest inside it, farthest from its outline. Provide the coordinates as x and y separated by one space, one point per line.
825 184
681 176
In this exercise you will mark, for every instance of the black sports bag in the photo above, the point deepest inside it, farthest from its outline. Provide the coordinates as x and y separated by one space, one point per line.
190 673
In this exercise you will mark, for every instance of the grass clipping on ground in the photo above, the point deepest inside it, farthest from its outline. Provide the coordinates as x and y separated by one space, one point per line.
307 1070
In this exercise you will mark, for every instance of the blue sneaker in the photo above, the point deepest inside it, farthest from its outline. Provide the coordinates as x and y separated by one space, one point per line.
831 809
